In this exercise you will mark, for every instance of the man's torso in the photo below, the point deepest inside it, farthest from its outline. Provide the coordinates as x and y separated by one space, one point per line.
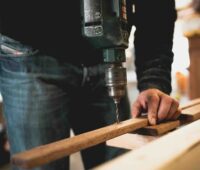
52 27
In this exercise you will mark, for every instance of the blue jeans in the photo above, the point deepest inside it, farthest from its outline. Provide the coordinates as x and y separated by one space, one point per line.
43 99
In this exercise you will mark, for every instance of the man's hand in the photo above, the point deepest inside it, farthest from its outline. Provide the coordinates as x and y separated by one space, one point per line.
158 105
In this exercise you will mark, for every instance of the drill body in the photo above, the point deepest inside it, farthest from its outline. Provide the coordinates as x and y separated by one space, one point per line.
105 27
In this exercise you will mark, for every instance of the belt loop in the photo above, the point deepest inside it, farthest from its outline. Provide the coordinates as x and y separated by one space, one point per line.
85 75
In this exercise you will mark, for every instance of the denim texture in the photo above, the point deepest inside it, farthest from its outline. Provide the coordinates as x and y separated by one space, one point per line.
43 99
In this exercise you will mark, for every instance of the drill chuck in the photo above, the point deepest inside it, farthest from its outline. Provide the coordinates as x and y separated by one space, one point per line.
116 81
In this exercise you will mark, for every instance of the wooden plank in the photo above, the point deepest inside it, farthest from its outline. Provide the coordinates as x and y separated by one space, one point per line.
44 154
190 103
159 129
130 141
179 149
190 113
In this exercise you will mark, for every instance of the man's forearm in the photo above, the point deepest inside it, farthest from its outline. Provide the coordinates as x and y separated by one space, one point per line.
154 21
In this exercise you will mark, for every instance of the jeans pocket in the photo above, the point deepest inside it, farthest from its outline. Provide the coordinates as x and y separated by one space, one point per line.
14 55
14 49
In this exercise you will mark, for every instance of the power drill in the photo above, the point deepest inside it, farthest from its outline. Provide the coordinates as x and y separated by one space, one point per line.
105 26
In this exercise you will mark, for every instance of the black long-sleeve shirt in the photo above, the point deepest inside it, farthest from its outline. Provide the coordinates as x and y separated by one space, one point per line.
154 21
55 29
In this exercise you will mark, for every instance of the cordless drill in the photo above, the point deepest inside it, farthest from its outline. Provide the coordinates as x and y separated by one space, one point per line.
105 26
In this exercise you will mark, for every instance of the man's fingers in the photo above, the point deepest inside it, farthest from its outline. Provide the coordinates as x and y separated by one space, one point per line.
164 107
173 110
159 105
168 107
136 109
176 115
153 105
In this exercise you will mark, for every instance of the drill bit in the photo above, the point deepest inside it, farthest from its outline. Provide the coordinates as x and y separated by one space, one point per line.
117 111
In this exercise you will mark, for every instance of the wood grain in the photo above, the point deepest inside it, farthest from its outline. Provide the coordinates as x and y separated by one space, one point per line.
190 113
179 149
159 129
44 154
130 141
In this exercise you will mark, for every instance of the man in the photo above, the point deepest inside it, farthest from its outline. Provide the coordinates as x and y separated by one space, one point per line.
48 87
